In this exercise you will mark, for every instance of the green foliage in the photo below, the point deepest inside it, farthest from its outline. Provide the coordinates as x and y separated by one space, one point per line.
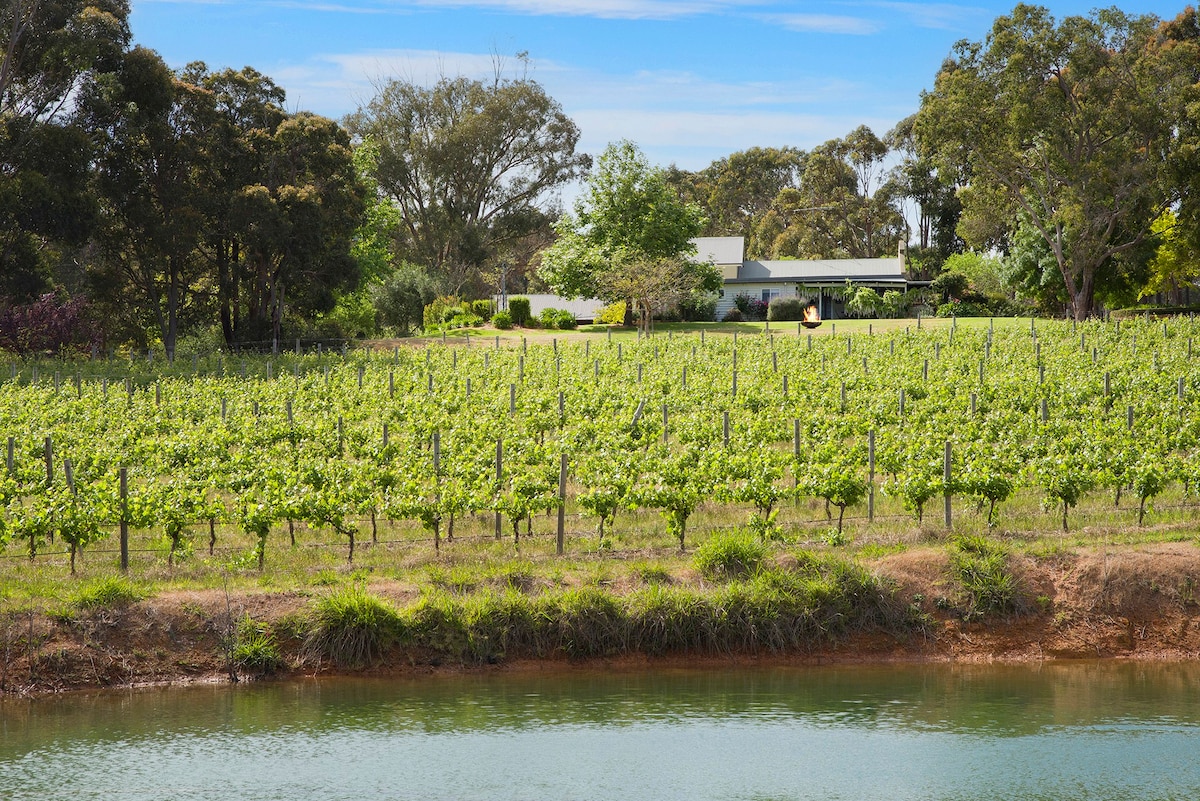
108 593
981 568
557 318
460 210
519 308
255 647
1095 178
502 320
401 297
626 238
730 555
787 309
483 309
612 314
351 627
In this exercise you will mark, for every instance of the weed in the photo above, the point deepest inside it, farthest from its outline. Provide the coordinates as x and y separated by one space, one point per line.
730 555
254 647
652 574
351 627
326 578
981 568
106 594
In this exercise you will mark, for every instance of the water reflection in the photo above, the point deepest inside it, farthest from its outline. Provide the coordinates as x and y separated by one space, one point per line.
1100 730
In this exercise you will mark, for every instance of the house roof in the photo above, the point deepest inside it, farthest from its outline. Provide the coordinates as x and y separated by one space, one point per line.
820 270
720 249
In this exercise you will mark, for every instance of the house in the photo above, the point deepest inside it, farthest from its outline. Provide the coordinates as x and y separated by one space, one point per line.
818 279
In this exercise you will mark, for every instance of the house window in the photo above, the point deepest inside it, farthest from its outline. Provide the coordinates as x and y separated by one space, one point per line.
768 294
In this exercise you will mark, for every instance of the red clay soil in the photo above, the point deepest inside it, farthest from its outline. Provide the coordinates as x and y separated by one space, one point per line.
1129 603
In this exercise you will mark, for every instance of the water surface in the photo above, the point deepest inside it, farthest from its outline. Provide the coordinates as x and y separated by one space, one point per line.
1052 731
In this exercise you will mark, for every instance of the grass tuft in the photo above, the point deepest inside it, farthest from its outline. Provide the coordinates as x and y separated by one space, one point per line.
254 647
728 555
107 593
981 567
351 627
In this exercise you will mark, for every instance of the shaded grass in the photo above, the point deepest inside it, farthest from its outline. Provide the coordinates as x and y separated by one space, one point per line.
351 627
776 610
982 569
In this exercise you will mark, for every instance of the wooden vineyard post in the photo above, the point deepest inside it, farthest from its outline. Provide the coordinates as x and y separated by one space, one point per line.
12 448
48 449
562 504
871 476
725 427
499 479
124 490
946 479
437 481
795 455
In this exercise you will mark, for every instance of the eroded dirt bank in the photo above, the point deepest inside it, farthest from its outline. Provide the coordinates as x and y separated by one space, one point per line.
1130 603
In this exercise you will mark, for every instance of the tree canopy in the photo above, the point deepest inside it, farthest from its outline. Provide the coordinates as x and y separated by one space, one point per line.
470 165
1070 123
628 237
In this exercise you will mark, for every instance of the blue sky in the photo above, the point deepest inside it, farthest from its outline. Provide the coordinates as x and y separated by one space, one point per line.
689 81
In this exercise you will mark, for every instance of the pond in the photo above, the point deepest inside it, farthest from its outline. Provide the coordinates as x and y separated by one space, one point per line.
1049 731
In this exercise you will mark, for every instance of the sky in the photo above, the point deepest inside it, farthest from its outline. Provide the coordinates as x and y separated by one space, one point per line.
688 81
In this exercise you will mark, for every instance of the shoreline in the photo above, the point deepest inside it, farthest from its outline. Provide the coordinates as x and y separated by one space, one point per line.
1134 603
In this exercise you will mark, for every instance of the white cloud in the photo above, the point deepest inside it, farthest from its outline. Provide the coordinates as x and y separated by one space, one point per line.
606 9
939 16
825 23
674 116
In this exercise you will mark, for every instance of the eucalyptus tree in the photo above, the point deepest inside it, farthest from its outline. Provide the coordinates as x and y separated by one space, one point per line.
1073 124
470 164
843 208
52 55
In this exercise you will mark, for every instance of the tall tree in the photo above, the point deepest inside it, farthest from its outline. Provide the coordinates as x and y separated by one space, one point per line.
737 190
627 222
1070 123
843 207
152 173
53 53
916 178
470 164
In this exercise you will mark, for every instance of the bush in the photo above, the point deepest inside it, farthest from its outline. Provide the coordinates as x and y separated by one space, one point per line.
502 320
48 326
734 315
741 302
548 318
962 308
612 314
698 307
401 298
351 627
758 310
520 310
787 309
730 555
483 309
567 321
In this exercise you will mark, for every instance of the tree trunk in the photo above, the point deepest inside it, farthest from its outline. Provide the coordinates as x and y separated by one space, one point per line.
628 321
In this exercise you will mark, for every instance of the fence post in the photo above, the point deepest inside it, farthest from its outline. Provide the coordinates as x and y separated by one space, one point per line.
946 479
562 504
124 477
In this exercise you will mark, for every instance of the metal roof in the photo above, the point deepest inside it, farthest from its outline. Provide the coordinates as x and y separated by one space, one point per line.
820 270
719 249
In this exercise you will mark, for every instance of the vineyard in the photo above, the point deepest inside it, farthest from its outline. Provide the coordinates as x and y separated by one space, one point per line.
591 446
